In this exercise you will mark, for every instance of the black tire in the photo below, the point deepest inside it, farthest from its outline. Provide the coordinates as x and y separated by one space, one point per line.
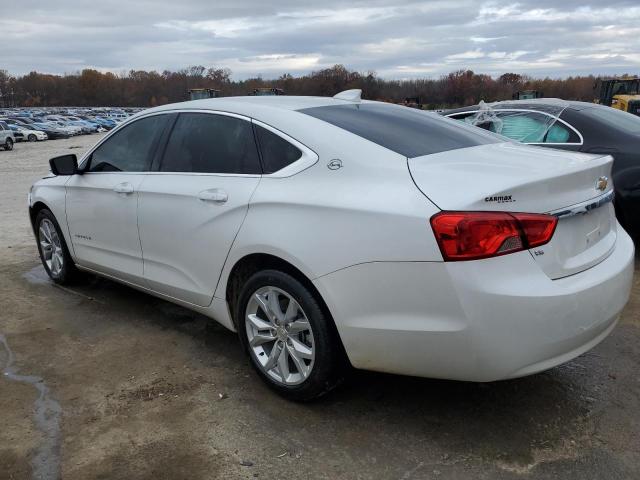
8 144
32 138
69 273
329 364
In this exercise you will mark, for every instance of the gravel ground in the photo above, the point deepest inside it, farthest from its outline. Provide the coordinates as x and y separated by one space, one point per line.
101 381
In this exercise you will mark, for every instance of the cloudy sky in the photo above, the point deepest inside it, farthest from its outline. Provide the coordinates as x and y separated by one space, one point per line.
268 38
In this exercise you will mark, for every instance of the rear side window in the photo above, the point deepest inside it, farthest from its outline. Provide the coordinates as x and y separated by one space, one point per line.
406 131
276 152
129 149
209 143
521 126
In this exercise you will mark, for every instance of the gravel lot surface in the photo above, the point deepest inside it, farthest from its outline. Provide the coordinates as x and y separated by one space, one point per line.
101 381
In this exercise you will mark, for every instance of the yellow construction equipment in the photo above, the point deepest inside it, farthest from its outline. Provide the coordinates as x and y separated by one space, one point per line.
620 93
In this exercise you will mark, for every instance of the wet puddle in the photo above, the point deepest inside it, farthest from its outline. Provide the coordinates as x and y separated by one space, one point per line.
45 463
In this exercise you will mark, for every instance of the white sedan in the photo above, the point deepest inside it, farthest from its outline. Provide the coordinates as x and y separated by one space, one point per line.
32 135
335 231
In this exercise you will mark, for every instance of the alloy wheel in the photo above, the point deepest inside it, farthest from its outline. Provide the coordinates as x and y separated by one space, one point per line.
51 246
279 335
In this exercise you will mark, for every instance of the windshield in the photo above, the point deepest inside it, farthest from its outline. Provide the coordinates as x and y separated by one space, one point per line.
407 131
615 118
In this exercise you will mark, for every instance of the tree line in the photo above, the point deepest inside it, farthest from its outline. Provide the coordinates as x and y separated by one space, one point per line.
139 88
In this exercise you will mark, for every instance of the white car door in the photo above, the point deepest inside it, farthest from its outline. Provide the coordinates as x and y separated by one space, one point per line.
102 202
191 209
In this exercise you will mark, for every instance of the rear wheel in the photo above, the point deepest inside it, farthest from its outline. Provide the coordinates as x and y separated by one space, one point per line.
53 249
290 340
8 144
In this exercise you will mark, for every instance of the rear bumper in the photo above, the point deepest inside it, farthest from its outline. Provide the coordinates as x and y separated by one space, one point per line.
478 321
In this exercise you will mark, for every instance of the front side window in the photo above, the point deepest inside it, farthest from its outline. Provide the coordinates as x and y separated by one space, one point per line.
209 143
276 152
129 149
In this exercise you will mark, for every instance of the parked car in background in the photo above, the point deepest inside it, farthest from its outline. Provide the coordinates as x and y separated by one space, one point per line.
575 126
7 138
103 122
53 131
86 125
29 135
322 229
19 136
66 127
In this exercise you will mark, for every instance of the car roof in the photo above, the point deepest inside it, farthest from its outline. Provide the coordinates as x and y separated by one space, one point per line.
266 108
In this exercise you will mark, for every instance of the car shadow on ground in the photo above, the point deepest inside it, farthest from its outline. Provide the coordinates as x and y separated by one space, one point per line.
513 421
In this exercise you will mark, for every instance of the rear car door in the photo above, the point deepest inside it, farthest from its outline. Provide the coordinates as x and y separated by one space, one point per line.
192 207
102 203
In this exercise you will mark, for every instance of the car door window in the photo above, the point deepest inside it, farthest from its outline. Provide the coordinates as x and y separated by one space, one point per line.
276 152
131 148
210 143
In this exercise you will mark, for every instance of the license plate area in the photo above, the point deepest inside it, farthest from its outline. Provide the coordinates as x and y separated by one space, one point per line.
582 239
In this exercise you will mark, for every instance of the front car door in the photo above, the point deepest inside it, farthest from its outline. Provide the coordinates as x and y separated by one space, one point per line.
192 207
102 202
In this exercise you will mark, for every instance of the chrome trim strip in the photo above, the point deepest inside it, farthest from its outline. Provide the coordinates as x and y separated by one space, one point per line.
584 207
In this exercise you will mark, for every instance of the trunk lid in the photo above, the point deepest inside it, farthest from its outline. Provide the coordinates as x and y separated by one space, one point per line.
512 177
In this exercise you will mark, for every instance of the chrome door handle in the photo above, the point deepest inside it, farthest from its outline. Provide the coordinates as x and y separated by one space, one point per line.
215 195
124 187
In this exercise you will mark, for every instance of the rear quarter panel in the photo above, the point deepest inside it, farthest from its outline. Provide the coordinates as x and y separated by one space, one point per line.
322 220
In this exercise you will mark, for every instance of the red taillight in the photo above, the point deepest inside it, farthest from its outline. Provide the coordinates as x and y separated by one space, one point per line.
475 235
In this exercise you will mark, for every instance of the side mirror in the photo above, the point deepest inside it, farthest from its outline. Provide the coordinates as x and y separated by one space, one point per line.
64 165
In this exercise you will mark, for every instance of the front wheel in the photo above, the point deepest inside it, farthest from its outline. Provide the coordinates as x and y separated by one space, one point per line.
32 137
53 249
291 341
8 144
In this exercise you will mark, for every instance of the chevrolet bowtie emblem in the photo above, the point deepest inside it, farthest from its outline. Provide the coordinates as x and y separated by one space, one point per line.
602 183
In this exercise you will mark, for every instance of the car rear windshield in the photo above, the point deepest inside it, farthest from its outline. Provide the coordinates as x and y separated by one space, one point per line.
404 130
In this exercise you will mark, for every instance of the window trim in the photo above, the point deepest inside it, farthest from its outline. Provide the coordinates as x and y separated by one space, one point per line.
557 119
306 160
